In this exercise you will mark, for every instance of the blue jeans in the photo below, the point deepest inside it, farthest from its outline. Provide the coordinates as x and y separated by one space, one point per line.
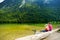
44 31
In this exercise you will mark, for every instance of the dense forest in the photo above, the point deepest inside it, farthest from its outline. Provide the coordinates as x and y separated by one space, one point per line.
29 13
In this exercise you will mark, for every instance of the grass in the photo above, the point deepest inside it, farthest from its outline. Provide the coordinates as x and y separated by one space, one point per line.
13 31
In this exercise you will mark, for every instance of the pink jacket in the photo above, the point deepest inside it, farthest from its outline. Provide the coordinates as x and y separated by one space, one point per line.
50 27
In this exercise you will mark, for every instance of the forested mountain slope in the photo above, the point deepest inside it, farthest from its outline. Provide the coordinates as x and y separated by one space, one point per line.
34 11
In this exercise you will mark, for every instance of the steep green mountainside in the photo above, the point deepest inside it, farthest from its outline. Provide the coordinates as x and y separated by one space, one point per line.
29 12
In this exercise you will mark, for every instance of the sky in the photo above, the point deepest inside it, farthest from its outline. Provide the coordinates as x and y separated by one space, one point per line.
1 1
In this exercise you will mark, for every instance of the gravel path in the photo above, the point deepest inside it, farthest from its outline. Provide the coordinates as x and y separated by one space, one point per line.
54 36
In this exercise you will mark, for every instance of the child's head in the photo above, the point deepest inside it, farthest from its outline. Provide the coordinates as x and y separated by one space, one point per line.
48 22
